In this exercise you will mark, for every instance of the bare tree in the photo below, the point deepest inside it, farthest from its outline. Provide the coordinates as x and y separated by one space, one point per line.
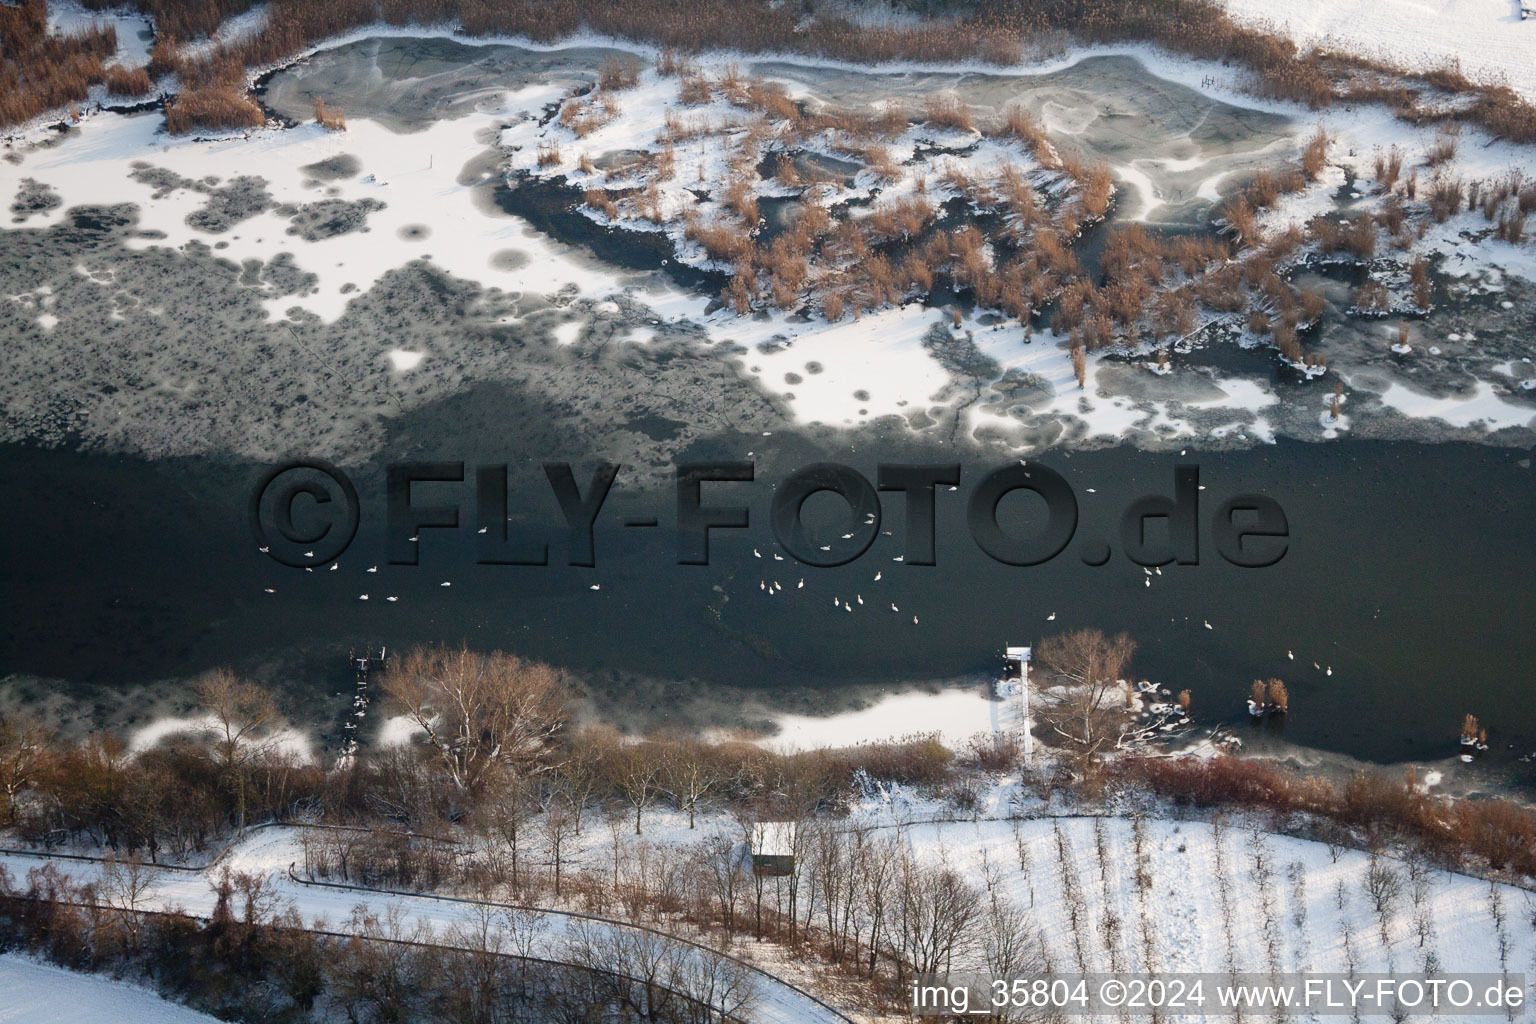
24 743
524 930
1088 706
616 818
649 964
507 808
689 774
934 914
1384 885
636 773
557 824
259 898
581 770
475 967
716 981
377 974
128 887
720 866
877 859
1011 948
240 713
481 712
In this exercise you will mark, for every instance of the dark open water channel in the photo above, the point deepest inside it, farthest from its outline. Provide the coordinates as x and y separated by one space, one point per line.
1409 574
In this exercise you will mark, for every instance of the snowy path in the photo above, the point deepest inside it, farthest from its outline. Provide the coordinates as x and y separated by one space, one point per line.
271 851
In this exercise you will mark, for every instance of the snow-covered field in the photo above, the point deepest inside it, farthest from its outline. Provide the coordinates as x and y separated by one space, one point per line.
1314 904
1486 38
34 992
1101 894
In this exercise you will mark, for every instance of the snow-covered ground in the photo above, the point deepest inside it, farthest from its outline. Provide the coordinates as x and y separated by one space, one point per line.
1206 898
269 852
904 363
1486 38
34 992
416 183
1315 904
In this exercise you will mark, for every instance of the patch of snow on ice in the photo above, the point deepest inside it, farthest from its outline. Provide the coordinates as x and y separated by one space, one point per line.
403 360
955 715
397 731
1484 407
288 740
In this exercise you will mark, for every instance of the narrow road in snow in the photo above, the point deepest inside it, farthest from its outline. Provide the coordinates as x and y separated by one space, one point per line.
270 852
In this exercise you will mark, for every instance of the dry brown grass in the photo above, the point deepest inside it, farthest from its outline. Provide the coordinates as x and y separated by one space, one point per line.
618 73
599 200
1372 297
668 63
585 116
1446 194
1511 227
123 81
1418 275
1098 186
666 162
784 171
740 200
1240 219
1020 124
1444 147
771 99
330 117
1028 261
947 110
695 89
722 240
1312 305
1361 237
41 72
1314 155
1497 834
1263 190
1388 166
214 108
904 218
878 159
1221 289
1287 342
